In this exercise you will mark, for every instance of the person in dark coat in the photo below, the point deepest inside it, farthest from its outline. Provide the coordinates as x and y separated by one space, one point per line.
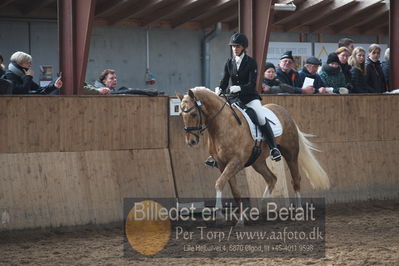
20 73
310 71
287 75
343 54
358 71
241 70
271 85
375 77
332 76
2 71
386 68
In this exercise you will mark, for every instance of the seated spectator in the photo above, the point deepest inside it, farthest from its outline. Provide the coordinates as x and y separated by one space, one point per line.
106 83
20 73
271 85
332 76
374 75
386 68
310 71
2 68
343 55
287 75
358 71
346 42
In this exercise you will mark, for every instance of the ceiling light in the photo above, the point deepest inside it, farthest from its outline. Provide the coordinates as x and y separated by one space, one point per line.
285 7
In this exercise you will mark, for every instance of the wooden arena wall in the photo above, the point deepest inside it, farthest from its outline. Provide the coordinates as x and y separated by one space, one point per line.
68 161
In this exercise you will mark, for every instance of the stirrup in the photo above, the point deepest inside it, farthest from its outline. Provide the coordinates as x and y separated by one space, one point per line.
275 154
210 162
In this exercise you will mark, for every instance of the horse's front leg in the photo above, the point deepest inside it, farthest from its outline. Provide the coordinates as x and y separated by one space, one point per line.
229 171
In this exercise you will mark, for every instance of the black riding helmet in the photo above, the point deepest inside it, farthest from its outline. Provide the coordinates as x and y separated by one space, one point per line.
239 39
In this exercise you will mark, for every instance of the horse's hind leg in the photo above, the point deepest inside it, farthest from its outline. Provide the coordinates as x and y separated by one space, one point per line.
260 166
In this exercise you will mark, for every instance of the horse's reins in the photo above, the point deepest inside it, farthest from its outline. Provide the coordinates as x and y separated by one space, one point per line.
199 128
231 107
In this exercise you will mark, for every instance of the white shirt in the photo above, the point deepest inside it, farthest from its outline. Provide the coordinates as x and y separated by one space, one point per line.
238 60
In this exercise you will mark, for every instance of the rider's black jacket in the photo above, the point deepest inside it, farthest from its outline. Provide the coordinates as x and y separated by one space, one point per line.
245 77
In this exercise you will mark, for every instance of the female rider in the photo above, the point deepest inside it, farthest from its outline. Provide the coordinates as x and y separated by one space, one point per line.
242 71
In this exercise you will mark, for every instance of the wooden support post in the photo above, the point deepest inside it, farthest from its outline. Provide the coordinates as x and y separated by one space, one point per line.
394 40
255 22
75 19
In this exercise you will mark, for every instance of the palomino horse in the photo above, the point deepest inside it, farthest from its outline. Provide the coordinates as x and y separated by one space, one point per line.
231 144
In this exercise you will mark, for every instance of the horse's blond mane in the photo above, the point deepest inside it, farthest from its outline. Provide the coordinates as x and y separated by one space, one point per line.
205 93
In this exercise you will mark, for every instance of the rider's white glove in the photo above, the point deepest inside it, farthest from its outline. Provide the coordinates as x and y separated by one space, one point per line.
218 91
235 89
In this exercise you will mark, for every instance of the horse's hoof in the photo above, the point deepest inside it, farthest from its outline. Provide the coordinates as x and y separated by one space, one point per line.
210 162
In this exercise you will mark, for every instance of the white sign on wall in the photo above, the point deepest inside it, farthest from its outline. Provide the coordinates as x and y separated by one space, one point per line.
174 106
300 51
321 50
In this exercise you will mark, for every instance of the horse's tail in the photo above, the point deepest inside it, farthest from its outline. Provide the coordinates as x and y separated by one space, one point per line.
308 163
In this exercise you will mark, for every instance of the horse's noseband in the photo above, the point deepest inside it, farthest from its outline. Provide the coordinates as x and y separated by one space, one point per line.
198 105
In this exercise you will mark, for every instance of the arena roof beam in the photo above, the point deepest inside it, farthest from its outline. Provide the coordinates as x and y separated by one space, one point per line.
303 9
75 19
222 15
4 3
369 15
359 7
376 22
108 7
131 10
331 8
161 13
196 12
35 5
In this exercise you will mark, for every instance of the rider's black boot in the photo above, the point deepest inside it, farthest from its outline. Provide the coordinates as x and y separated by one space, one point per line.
210 162
269 138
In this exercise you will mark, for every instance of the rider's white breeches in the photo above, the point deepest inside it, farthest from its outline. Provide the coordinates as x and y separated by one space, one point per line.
259 110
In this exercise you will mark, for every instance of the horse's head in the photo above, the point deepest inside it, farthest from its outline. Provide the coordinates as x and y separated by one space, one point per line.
191 110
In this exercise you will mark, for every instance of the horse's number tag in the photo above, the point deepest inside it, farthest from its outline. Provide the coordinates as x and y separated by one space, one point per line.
198 103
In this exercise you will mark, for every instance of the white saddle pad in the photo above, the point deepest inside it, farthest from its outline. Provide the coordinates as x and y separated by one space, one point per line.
273 121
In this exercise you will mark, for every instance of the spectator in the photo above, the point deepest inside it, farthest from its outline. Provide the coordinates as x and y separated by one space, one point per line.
271 85
20 73
374 76
310 71
346 42
287 75
386 68
2 68
343 55
358 71
332 76
106 83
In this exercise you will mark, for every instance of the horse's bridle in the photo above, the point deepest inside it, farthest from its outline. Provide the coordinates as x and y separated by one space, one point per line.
198 105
